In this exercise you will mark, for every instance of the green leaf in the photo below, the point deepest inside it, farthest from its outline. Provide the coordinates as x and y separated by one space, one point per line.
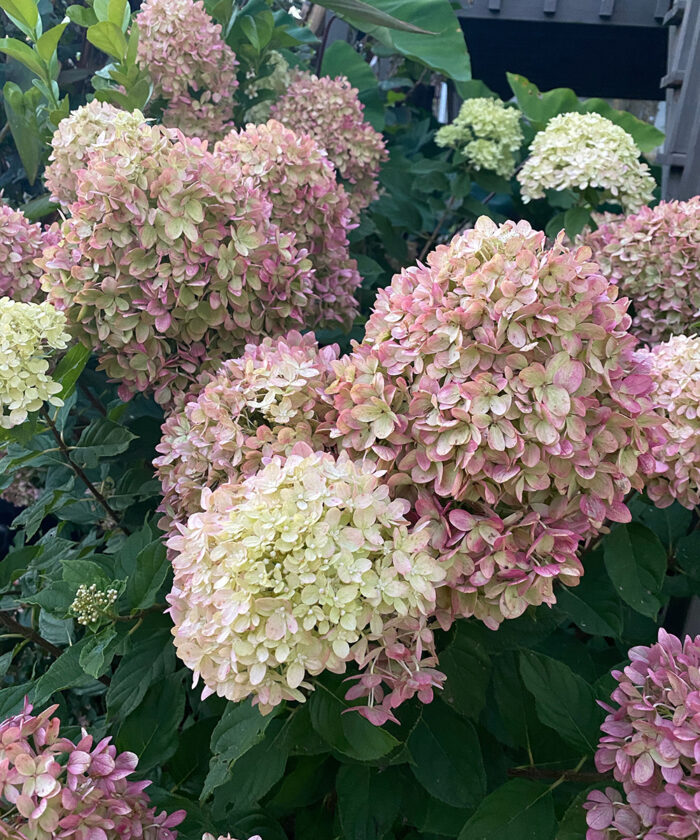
95 656
260 768
636 562
572 825
46 45
14 564
149 731
39 207
151 569
152 657
102 439
467 667
348 733
518 810
563 700
444 50
239 730
365 15
23 53
368 801
20 109
540 107
22 11
70 367
575 220
82 15
65 672
593 605
55 598
108 37
447 757
119 13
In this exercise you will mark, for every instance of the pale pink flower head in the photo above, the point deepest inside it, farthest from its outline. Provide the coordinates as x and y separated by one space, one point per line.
675 369
654 257
191 65
54 789
169 263
294 173
498 385
298 569
330 111
21 244
652 746
255 407
208 836
85 130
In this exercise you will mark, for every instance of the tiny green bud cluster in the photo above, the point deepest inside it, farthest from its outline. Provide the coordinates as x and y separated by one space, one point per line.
90 603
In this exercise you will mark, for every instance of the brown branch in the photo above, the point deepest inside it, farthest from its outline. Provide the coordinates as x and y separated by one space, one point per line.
29 633
564 775
94 402
78 470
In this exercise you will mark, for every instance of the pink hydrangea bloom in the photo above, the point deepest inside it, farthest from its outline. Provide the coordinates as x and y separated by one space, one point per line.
169 263
87 129
208 836
331 112
675 369
297 177
652 746
191 66
54 789
255 407
498 385
294 571
654 257
21 243
22 492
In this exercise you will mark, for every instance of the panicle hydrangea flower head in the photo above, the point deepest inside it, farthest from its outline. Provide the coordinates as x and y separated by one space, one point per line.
498 386
296 176
654 257
169 262
191 65
21 243
675 369
487 132
293 572
330 111
28 331
582 151
651 744
89 128
276 81
256 406
54 789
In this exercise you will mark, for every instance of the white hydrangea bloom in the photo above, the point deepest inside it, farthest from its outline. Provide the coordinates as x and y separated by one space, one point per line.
282 574
581 151
487 132
27 331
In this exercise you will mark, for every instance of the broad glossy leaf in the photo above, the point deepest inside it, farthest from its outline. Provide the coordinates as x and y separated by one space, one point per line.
371 14
108 37
368 801
636 562
518 810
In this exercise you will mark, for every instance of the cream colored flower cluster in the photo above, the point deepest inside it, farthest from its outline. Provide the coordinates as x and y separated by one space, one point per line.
90 603
86 130
27 331
487 132
295 569
587 151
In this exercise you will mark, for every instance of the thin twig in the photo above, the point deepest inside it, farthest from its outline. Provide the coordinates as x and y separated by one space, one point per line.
94 402
31 635
3 131
78 470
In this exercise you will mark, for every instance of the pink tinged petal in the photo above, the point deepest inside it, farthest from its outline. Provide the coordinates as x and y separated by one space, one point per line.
78 762
643 769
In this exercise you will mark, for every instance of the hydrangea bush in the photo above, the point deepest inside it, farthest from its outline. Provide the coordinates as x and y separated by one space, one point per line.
332 500
654 257
331 112
487 133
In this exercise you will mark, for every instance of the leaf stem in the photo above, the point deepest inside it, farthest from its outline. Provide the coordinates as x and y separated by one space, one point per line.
78 470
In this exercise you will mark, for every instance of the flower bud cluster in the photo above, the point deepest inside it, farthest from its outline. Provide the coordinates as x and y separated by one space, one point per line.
294 173
654 257
587 151
28 331
21 243
55 789
191 65
330 111
651 745
487 132
91 603
169 262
